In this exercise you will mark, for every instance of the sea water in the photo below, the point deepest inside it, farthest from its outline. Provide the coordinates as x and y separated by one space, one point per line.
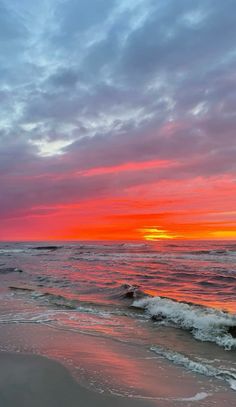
127 317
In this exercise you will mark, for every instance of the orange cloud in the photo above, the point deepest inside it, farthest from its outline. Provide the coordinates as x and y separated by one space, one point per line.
130 166
176 209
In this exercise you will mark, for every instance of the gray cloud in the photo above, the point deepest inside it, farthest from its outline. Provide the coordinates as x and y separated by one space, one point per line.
119 83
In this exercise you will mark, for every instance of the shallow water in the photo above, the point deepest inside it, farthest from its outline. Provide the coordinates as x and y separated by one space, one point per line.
151 312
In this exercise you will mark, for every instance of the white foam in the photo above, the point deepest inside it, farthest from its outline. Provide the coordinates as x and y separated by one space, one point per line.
27 317
197 397
205 324
232 384
2 251
197 367
134 245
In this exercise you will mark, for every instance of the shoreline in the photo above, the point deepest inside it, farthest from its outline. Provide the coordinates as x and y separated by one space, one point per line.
36 381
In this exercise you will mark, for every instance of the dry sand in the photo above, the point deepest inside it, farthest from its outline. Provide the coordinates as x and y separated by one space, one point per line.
35 381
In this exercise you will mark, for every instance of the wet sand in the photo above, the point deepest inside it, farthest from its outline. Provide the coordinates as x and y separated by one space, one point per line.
35 381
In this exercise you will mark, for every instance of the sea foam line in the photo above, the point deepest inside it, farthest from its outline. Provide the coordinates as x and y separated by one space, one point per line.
197 367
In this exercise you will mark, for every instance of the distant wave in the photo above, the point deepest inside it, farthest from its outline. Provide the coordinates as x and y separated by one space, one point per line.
6 251
197 367
214 252
51 248
135 245
205 324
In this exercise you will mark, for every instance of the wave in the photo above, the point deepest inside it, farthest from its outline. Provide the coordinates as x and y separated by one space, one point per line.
205 323
227 279
27 317
135 245
217 252
197 367
8 270
59 301
8 252
56 300
51 248
130 291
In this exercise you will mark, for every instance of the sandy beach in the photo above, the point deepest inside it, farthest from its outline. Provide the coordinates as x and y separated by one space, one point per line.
34 381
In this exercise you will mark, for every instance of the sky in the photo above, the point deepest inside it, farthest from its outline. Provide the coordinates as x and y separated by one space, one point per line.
117 119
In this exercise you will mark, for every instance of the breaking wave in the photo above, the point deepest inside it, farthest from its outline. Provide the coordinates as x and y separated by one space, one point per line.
205 324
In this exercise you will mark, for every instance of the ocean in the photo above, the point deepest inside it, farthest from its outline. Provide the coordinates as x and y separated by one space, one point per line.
149 320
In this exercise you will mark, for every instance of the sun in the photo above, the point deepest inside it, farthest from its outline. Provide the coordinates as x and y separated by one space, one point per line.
156 233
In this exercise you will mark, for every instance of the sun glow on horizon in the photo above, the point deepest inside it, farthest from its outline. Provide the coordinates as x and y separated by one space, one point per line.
228 234
154 233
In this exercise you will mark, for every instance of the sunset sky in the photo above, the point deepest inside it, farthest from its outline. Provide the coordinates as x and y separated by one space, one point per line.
117 119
